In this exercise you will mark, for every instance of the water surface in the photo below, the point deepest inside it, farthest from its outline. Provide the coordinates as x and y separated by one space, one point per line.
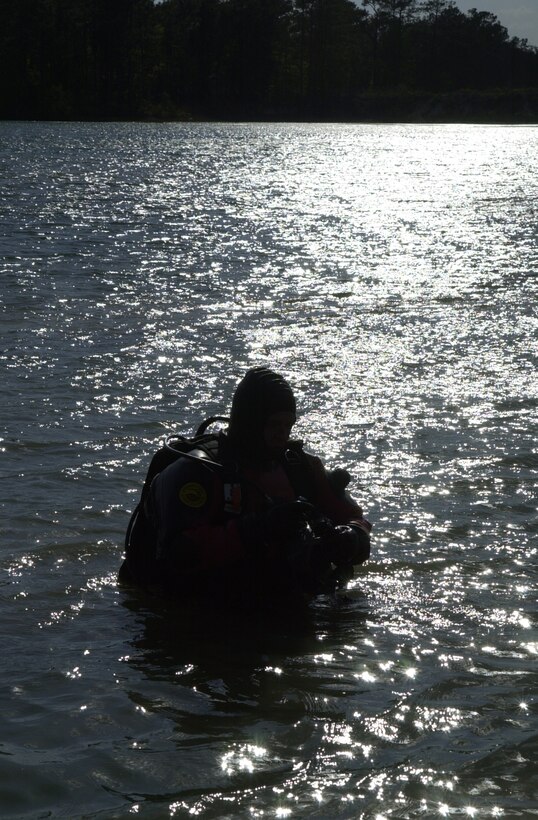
390 272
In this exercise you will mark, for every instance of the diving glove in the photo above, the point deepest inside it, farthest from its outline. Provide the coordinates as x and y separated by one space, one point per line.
277 525
288 520
346 545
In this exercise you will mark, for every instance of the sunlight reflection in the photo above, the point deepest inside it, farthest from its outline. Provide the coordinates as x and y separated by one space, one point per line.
339 734
366 676
318 794
242 758
438 720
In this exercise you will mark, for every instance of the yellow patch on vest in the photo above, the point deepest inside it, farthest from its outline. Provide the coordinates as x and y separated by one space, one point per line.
193 495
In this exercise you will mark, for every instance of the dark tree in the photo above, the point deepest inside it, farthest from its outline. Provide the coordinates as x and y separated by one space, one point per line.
105 59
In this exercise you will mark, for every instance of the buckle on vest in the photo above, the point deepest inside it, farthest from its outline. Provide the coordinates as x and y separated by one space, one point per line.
232 498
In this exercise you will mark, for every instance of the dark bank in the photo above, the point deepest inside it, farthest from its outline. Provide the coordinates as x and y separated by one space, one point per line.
296 60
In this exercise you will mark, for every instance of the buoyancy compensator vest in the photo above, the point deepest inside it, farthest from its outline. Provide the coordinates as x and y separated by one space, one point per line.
142 564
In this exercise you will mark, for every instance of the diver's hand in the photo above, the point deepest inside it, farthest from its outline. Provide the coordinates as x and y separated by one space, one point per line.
276 525
347 545
288 520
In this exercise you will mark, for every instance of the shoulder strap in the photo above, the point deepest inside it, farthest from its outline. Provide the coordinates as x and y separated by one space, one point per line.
208 422
204 445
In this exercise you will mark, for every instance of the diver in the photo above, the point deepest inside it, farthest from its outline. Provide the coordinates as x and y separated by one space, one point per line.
248 512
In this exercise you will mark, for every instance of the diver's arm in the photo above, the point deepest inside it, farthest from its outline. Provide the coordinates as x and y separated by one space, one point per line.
340 508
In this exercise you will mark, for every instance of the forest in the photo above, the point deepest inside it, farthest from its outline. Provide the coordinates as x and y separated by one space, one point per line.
261 60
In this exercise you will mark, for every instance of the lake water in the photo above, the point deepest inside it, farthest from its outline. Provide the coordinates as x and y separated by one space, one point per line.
390 273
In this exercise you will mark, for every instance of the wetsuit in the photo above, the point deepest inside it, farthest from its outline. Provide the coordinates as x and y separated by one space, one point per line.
230 517
205 525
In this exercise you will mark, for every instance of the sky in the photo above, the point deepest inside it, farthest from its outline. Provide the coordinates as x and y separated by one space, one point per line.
520 17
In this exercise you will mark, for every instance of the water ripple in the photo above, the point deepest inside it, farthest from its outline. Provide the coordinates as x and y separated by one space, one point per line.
390 273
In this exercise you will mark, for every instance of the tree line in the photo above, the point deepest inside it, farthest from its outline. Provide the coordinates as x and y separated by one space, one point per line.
161 59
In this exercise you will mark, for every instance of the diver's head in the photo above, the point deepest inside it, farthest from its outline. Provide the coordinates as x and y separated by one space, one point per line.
263 413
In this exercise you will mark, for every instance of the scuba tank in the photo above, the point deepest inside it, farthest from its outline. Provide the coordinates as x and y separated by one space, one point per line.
140 563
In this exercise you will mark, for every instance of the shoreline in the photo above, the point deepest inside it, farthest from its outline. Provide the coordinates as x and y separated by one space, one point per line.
468 106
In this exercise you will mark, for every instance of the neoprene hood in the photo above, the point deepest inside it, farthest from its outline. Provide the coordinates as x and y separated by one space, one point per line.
258 395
